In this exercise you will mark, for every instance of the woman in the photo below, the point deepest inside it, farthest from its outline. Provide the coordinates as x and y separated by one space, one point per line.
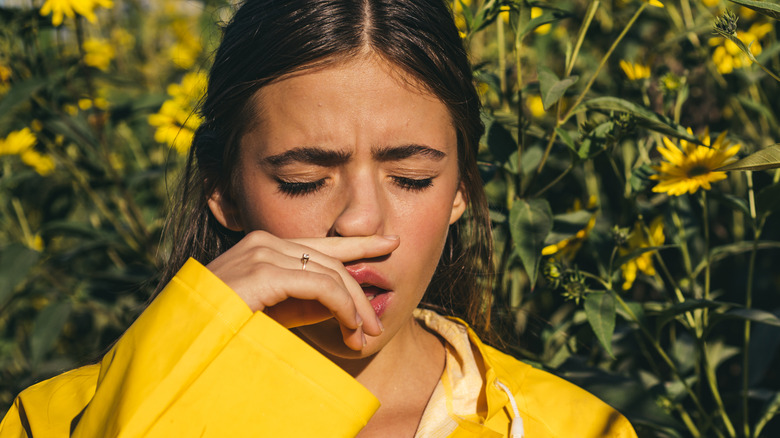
322 204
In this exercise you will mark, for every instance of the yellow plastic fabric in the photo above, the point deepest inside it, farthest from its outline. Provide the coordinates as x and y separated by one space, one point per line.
197 362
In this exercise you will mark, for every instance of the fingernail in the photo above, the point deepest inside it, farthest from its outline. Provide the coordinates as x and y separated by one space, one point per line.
392 237
365 342
379 322
359 320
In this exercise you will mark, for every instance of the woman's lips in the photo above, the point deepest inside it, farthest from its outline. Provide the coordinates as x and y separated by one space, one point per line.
375 286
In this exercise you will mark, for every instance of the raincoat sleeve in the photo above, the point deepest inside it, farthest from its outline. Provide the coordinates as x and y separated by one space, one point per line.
197 362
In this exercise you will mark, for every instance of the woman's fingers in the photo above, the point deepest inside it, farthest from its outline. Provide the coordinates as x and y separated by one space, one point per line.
347 249
268 273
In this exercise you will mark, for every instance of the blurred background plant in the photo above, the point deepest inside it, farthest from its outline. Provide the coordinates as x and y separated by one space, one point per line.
629 259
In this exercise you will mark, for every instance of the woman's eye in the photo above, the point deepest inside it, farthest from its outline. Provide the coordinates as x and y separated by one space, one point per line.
297 188
412 184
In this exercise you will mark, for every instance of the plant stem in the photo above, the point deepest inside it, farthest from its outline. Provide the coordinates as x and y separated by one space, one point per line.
604 62
668 362
748 304
706 226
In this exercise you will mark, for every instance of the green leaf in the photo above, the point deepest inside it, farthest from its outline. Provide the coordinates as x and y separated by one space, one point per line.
567 139
755 315
644 117
530 222
733 202
771 10
47 328
600 310
721 252
568 224
16 261
770 410
500 142
552 88
767 158
640 177
549 15
671 312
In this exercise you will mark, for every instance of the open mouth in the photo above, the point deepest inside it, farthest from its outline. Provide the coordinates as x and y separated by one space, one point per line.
372 291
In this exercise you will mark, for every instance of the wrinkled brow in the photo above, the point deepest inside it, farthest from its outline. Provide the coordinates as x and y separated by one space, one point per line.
396 153
332 158
309 155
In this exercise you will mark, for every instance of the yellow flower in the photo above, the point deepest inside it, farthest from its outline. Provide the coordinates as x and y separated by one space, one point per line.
644 261
177 120
187 48
655 3
689 166
567 248
543 29
5 75
536 106
69 8
98 53
457 12
17 142
727 56
710 3
635 72
21 143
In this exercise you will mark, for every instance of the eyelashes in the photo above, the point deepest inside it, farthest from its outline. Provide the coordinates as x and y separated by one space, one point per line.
301 188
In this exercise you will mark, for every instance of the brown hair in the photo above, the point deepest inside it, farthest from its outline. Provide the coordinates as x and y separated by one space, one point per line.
269 39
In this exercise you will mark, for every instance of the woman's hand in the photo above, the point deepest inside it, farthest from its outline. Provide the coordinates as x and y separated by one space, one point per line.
266 272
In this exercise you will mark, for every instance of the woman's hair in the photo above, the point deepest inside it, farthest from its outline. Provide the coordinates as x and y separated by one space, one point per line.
268 40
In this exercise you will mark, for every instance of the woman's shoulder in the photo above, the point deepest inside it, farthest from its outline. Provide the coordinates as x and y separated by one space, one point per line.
550 404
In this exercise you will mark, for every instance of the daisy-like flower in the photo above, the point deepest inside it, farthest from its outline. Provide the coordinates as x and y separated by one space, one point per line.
644 262
69 8
635 72
21 143
98 53
690 166
727 55
176 121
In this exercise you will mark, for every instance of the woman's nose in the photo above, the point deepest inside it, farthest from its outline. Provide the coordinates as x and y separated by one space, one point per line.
362 212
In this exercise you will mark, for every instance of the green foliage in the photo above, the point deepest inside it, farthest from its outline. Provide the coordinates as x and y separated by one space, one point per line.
666 306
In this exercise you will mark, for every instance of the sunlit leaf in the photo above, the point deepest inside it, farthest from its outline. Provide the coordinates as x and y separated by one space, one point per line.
551 87
530 222
47 328
769 9
767 158
600 310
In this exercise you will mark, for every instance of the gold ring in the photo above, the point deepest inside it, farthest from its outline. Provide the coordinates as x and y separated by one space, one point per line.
304 260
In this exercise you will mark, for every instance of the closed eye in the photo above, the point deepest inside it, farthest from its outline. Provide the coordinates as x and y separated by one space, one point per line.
412 184
299 188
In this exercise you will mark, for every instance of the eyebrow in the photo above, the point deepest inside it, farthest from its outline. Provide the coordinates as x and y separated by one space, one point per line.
333 158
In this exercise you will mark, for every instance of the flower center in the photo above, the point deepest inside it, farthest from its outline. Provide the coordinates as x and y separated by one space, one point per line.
698 170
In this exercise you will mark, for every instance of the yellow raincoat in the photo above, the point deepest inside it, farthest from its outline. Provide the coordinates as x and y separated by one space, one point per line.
198 362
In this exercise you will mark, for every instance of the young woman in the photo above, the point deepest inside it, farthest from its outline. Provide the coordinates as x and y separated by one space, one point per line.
331 190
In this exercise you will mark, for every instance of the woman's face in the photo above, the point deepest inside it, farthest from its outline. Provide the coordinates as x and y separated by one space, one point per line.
355 149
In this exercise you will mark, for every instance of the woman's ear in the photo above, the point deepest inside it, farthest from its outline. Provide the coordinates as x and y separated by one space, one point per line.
459 204
225 211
